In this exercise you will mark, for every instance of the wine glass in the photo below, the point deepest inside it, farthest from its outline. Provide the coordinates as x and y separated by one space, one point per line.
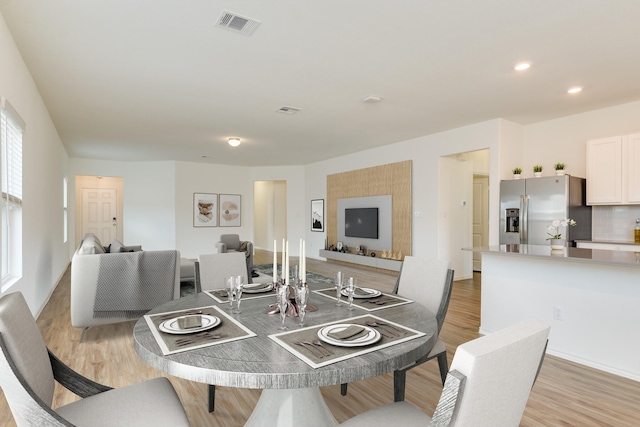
351 289
302 296
283 303
338 280
230 287
239 285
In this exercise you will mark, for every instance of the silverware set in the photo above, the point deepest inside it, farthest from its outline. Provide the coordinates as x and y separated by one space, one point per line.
379 301
386 330
316 348
200 336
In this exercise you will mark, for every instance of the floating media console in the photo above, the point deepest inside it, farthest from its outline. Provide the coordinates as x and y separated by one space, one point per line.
368 261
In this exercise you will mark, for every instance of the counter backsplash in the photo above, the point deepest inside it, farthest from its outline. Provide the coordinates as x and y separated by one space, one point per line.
615 223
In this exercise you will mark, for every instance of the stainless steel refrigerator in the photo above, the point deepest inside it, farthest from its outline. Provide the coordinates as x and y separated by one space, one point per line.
528 206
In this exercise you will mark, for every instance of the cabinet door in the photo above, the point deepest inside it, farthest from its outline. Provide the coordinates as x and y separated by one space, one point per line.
633 168
604 171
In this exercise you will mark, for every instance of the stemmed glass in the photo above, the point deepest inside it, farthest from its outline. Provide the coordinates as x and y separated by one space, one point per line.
230 287
239 285
351 288
302 296
338 280
283 303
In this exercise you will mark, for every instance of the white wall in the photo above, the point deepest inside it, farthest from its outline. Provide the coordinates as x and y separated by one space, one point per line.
44 254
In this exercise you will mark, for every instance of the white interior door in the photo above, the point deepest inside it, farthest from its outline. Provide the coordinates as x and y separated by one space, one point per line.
480 217
99 213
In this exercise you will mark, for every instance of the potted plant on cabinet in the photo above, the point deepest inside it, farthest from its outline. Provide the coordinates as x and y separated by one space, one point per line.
560 168
516 173
537 171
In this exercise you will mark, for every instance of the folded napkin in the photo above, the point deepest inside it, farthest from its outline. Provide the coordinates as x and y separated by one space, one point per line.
360 291
350 333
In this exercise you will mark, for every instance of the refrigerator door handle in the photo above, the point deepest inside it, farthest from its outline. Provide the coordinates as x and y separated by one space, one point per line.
524 208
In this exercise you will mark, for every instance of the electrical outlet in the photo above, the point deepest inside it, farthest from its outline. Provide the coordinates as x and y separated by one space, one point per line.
557 312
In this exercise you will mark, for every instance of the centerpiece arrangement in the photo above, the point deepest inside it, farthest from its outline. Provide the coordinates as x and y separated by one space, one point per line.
557 242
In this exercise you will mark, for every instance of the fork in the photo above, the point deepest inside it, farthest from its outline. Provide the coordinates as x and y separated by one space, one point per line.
316 352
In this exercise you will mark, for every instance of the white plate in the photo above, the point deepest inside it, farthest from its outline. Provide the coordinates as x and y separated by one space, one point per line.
372 336
266 288
372 293
171 326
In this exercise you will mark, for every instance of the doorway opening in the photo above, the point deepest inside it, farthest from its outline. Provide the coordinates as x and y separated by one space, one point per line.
269 213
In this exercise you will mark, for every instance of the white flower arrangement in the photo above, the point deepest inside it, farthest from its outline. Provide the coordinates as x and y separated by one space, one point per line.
554 228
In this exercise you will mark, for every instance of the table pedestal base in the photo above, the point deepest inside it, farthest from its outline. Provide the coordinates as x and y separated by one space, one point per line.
291 408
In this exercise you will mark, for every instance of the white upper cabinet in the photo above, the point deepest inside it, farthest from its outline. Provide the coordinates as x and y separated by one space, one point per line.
613 170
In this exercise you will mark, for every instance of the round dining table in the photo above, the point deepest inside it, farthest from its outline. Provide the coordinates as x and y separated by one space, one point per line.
291 394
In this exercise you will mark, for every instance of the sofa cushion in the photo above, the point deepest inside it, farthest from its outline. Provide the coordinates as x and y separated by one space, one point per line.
116 246
91 245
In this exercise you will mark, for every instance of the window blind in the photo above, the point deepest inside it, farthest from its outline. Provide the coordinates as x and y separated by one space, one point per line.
11 128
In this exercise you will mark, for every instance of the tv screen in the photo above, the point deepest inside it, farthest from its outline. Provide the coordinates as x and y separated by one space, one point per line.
361 222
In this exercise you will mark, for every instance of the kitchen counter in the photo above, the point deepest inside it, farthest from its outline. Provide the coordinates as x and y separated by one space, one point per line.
603 256
590 297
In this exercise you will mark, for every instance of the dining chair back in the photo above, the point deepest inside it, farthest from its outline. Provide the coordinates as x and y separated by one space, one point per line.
211 269
28 372
489 383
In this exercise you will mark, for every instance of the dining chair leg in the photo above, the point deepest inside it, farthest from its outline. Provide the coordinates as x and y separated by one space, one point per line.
343 389
399 381
444 366
212 397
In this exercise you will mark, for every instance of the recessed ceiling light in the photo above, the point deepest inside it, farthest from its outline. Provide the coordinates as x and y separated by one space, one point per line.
234 142
522 66
576 89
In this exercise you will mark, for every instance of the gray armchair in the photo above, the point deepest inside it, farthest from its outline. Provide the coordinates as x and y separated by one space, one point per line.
232 243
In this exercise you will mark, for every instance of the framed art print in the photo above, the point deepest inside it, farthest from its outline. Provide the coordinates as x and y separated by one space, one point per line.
317 215
230 213
205 210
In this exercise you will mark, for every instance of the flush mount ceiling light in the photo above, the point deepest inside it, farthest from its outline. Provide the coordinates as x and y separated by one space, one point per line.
574 90
234 142
521 66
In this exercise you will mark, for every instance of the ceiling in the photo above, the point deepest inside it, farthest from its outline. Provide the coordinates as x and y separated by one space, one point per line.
151 80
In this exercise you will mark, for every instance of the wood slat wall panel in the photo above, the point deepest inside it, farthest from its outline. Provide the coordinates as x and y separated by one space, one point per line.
393 179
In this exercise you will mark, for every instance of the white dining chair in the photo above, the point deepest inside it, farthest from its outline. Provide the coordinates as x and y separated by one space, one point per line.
211 269
28 372
428 282
489 383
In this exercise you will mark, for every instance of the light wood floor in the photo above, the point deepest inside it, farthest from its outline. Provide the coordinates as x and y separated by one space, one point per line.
566 394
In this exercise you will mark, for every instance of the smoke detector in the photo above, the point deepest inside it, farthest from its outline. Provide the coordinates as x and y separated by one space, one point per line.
287 110
236 23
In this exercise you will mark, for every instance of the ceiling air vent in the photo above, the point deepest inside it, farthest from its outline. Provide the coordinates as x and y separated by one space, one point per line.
287 110
237 23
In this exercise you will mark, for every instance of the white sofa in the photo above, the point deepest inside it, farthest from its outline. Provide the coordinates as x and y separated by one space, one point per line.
119 283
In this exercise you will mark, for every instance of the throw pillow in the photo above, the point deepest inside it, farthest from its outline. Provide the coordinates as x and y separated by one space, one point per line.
116 246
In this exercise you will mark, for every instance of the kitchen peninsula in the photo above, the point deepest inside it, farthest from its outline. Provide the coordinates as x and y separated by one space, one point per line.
590 297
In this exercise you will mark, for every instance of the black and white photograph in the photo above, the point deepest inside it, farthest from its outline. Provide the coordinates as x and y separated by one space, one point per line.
317 215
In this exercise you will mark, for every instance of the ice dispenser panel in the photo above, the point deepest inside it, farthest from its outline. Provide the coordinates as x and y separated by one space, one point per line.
513 220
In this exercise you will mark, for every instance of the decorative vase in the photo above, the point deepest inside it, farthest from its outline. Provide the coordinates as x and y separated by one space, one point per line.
557 244
516 176
560 172
537 174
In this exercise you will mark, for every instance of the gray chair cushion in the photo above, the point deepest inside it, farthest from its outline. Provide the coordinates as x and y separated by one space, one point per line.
395 414
151 403
231 240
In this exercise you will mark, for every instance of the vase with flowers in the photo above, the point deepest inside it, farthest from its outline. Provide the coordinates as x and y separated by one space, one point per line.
553 230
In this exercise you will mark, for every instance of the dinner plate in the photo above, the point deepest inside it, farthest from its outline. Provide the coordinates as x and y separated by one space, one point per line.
371 293
171 326
372 336
257 290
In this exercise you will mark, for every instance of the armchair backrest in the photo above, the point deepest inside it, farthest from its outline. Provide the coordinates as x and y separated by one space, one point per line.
213 268
427 281
499 370
231 240
24 346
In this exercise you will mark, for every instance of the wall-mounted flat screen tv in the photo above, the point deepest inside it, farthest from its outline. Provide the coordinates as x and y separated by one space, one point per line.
361 222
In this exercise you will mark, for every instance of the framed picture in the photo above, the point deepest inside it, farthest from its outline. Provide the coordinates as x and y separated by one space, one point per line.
230 210
317 215
205 210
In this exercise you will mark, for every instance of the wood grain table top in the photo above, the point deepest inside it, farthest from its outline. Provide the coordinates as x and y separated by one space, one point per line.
259 362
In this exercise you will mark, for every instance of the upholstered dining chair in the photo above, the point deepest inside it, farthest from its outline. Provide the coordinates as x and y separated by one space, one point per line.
211 269
489 383
232 243
28 372
428 282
